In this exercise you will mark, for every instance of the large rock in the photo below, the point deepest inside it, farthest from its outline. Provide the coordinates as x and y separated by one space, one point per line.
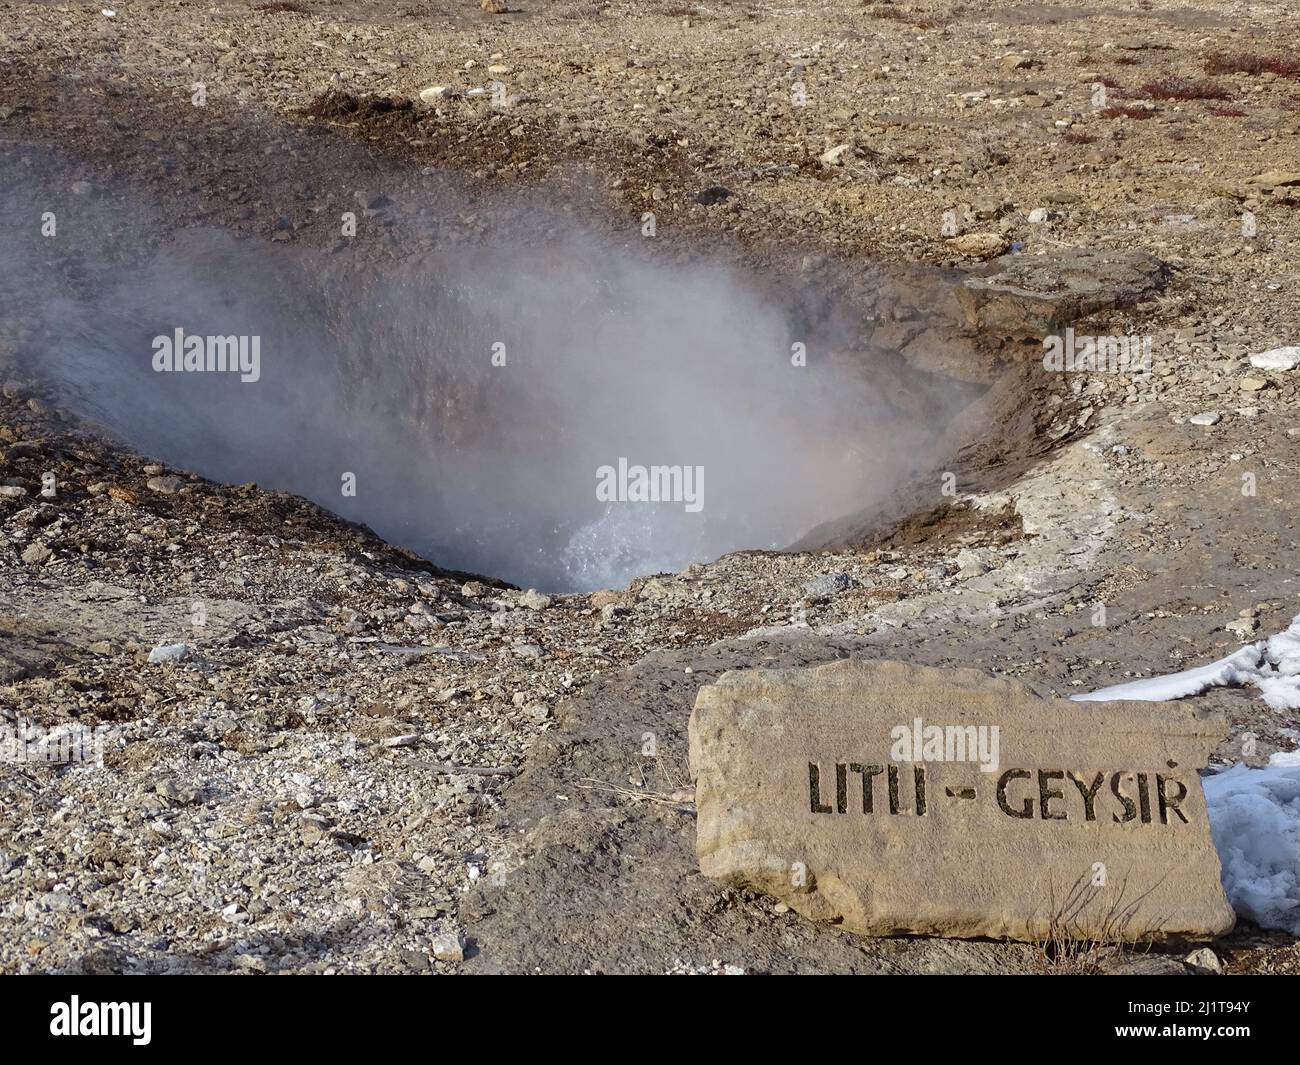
1033 296
1029 818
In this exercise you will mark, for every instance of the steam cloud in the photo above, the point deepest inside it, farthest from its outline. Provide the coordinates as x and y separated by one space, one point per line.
387 372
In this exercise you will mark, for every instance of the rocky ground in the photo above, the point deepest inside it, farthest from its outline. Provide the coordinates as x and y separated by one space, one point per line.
359 762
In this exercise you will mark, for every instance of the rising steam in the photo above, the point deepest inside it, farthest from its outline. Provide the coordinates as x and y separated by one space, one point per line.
393 373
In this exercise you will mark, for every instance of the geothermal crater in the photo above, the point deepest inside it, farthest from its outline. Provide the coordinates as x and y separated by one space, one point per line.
551 405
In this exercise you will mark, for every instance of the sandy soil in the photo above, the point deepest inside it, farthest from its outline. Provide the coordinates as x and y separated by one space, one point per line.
364 758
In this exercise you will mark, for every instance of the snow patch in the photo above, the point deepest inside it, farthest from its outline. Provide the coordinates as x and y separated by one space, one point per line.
1271 665
1254 813
1255 822
1240 667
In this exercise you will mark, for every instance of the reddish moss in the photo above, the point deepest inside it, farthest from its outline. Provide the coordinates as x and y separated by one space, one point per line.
1185 89
1285 66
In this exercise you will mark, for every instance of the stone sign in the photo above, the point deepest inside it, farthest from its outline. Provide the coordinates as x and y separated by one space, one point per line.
888 798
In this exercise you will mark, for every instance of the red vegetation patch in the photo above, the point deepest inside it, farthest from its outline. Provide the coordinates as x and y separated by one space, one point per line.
1284 66
1185 89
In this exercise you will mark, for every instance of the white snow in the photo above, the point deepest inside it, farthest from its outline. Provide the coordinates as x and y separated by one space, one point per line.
1255 821
1238 668
1271 665
1254 813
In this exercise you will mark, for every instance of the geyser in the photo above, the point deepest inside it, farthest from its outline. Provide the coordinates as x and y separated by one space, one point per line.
468 401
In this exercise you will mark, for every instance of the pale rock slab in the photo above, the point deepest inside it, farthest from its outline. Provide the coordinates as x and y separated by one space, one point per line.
1277 359
1092 823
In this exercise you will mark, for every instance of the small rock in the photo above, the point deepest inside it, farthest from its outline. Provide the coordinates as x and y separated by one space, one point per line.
979 245
654 590
1277 359
12 491
1039 215
36 554
986 207
1204 960
60 902
1209 417
534 600
168 652
835 156
971 564
1242 627
1251 384
167 486
827 585
449 946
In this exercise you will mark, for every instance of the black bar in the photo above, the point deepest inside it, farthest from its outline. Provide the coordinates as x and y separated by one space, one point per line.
248 1015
